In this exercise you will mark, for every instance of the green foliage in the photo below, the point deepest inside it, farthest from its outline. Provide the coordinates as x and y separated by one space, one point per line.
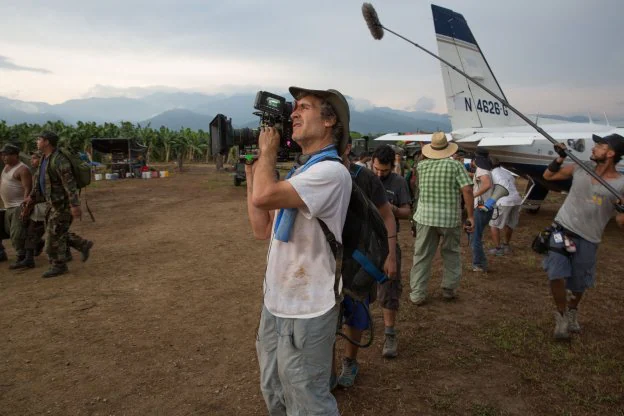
163 144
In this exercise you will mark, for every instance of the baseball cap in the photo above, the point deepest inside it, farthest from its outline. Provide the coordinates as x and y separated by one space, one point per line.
10 149
614 141
338 103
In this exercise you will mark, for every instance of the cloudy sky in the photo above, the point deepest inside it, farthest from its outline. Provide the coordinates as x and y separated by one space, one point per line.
550 56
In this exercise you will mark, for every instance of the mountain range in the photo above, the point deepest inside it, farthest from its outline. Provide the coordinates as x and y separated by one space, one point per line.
195 111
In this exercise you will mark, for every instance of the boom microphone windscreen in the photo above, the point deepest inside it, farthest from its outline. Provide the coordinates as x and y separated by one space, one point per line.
372 21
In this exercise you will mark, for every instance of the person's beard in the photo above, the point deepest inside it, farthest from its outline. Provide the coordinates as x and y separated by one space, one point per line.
597 159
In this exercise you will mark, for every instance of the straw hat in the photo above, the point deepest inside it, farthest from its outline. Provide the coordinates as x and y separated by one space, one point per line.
439 148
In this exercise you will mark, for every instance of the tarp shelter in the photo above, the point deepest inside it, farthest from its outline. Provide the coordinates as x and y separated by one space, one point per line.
126 154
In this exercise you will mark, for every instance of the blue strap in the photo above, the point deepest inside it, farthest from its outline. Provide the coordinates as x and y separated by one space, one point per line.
370 268
286 216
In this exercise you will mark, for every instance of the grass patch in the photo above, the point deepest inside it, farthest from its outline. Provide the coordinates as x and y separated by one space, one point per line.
518 337
479 409
443 401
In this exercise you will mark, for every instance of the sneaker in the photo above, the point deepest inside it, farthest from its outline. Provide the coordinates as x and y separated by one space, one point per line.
506 249
478 269
85 251
561 327
390 346
496 251
448 294
573 325
349 371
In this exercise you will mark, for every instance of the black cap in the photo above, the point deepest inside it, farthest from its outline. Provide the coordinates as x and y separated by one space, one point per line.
614 141
10 149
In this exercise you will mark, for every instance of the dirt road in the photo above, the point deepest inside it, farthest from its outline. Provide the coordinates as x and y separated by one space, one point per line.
162 319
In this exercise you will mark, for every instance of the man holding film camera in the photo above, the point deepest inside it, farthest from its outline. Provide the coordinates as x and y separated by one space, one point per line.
300 312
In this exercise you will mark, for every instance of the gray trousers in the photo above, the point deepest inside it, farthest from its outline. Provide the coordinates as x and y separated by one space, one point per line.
425 247
295 357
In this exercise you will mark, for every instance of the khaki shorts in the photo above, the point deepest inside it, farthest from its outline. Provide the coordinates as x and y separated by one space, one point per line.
505 216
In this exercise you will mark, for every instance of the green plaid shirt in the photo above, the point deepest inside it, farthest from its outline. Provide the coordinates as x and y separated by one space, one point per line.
440 181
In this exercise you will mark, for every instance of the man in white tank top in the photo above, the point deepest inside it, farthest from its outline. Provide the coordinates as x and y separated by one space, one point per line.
15 186
581 220
33 216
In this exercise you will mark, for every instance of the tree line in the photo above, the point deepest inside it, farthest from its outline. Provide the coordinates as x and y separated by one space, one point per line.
163 144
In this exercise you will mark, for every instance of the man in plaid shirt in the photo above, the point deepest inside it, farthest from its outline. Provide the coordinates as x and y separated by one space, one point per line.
438 216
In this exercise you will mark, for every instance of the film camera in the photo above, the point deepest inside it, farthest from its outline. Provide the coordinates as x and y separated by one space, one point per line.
274 111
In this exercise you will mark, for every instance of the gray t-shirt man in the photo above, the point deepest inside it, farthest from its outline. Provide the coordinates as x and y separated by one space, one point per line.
397 191
589 206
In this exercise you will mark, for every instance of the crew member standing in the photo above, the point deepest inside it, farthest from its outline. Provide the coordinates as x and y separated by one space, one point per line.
580 222
398 195
299 317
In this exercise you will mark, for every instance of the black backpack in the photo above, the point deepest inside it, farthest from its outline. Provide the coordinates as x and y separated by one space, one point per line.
361 256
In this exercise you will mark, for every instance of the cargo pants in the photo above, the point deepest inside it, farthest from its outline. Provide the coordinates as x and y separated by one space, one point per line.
58 238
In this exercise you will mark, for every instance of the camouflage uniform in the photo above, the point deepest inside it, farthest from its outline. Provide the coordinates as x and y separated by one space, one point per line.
60 194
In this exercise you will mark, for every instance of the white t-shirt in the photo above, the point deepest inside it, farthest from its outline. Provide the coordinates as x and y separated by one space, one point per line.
477 185
503 177
300 274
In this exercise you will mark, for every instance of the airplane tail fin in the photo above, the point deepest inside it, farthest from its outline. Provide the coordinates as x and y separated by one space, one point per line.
468 104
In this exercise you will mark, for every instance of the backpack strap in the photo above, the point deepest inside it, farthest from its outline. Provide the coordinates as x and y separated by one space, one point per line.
337 249
355 171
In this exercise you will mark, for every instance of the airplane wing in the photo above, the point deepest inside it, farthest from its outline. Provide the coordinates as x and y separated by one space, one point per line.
521 139
398 137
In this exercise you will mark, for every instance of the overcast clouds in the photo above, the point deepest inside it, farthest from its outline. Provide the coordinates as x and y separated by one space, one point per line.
550 56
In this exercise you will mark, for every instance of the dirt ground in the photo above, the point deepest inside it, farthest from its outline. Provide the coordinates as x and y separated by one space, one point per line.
162 319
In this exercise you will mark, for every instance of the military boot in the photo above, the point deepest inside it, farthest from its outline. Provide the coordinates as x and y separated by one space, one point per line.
56 270
28 262
68 255
85 250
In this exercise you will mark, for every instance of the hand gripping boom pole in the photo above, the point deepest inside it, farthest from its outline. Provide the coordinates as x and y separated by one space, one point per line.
377 31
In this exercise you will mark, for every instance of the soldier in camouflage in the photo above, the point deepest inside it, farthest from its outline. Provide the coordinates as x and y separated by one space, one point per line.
56 184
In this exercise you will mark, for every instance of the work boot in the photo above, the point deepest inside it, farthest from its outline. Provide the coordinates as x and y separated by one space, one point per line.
390 346
85 250
573 325
561 327
56 270
3 256
27 263
448 294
